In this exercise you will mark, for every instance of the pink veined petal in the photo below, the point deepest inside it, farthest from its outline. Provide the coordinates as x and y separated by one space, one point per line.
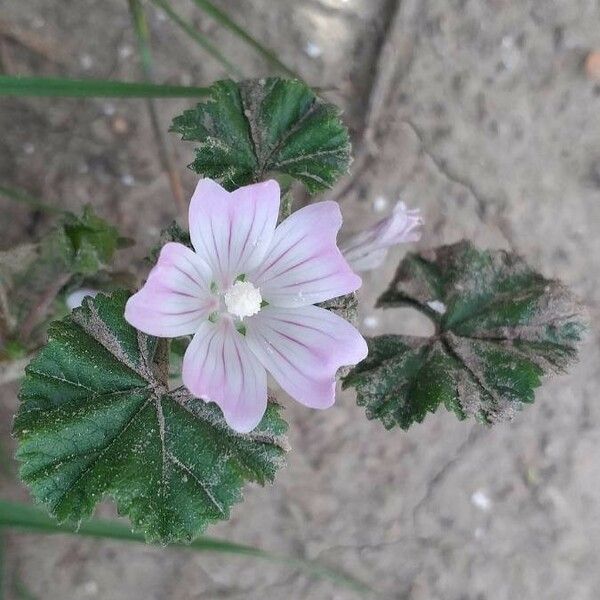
367 249
303 264
175 299
219 367
303 348
232 231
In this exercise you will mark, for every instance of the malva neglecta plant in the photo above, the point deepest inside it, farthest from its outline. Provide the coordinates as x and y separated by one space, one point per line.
158 396
253 289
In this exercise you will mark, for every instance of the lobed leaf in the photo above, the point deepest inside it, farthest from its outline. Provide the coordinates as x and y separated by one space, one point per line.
86 244
97 419
500 328
32 275
254 129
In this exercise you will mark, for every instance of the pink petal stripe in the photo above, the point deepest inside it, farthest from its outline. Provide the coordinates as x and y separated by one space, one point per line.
175 299
219 367
367 249
232 231
303 264
303 348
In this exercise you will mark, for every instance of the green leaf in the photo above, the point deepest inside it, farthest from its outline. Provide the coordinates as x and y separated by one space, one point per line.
500 327
33 275
86 243
256 129
172 233
92 88
97 419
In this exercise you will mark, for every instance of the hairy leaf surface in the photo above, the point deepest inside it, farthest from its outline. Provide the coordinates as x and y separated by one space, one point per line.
252 130
500 328
96 419
32 275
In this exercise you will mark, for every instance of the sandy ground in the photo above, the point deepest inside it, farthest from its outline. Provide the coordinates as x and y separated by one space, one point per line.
477 111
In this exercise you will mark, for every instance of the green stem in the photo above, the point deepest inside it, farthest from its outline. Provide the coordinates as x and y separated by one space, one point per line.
198 37
142 32
2 567
92 88
223 19
29 518
24 198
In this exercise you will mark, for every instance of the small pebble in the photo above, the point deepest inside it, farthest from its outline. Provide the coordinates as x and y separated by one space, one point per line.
119 125
592 65
380 204
109 109
74 299
481 500
37 22
127 180
90 588
371 322
28 148
312 50
86 61
125 51
437 306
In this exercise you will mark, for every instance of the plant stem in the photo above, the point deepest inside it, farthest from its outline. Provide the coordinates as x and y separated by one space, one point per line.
39 311
92 88
140 25
29 518
198 37
2 566
223 19
24 198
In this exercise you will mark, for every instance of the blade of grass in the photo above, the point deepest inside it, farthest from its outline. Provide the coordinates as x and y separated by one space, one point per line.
225 21
198 37
2 566
24 198
92 88
29 518
142 32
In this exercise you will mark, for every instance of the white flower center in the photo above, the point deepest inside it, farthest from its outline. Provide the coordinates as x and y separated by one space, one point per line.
243 299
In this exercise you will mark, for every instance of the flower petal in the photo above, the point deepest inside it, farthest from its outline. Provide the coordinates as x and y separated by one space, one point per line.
219 367
232 231
175 299
303 264
367 249
303 348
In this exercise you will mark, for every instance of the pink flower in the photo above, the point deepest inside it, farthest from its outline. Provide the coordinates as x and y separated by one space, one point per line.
367 249
247 292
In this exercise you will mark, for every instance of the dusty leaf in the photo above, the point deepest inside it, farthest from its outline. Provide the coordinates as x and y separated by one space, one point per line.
500 327
97 419
86 243
249 131
32 275
172 233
